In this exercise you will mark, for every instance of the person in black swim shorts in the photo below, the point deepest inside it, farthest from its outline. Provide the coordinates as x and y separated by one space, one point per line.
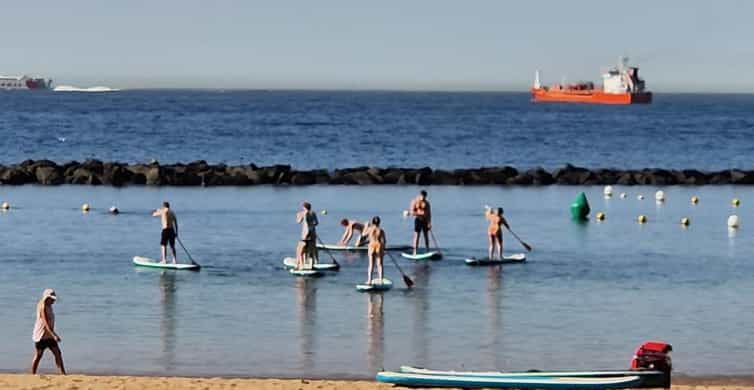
169 231
422 212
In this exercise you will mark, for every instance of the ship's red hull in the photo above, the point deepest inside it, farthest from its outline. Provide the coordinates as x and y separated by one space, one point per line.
589 96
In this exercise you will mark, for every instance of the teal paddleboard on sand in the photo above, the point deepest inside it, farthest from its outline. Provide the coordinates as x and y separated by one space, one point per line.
431 255
147 262
376 285
290 262
510 259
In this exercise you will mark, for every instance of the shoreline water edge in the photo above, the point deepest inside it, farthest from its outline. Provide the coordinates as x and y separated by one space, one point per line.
201 173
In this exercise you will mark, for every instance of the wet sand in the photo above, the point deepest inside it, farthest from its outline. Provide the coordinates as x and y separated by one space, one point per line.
86 382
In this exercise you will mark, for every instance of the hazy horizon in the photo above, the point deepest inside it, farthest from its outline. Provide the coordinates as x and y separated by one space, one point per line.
338 45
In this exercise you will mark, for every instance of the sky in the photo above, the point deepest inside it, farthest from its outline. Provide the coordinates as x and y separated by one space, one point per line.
489 45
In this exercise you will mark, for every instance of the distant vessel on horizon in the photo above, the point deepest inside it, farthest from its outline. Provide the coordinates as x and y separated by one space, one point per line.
70 88
24 83
620 85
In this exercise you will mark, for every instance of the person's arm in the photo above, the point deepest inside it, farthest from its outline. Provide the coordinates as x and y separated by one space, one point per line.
175 225
45 324
346 236
157 212
383 240
412 207
428 215
504 222
299 216
315 220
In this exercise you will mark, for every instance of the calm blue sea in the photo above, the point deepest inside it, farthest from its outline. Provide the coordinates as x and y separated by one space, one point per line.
588 296
343 129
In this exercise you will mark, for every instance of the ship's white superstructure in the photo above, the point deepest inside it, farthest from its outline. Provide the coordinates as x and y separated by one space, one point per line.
23 83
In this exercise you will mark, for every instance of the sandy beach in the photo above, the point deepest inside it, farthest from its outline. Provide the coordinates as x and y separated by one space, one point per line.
86 382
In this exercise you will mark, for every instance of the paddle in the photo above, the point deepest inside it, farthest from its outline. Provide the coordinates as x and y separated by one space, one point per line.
328 253
406 279
185 250
525 245
437 244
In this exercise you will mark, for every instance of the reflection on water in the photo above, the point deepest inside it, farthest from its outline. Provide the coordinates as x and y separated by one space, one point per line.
421 314
168 319
306 305
495 327
375 332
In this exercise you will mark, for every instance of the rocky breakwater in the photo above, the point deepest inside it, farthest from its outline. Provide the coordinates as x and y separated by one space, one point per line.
200 173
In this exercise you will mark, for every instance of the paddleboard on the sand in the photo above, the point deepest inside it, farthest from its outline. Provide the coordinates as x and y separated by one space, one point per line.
431 255
147 262
363 248
376 285
510 259
290 262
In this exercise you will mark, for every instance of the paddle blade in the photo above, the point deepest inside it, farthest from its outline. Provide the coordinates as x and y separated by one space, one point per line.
408 281
526 246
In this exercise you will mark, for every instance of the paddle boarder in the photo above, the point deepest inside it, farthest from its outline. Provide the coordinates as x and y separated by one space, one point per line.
350 226
495 231
422 212
169 231
307 245
44 335
376 251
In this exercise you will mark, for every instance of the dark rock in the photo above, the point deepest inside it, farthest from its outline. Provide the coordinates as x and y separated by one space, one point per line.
540 177
83 175
16 175
50 175
626 179
304 178
445 178
741 177
571 175
521 179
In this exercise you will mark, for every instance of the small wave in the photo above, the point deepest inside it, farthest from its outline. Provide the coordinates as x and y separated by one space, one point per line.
70 88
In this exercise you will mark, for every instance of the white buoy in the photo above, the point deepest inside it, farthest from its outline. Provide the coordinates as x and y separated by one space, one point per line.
324 212
640 197
694 199
85 207
114 210
734 222
608 191
623 195
6 206
660 196
405 213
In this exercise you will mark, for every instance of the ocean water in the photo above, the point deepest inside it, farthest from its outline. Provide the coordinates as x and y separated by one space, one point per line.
345 129
588 295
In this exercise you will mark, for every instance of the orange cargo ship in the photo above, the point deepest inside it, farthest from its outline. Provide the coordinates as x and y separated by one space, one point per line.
620 85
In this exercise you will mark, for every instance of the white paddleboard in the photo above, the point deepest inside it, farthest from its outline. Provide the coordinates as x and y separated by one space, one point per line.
290 262
305 272
363 248
431 255
510 259
147 262
377 285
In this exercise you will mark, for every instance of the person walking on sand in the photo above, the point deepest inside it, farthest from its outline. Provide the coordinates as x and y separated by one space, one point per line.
169 231
376 251
495 232
307 245
350 226
44 335
422 212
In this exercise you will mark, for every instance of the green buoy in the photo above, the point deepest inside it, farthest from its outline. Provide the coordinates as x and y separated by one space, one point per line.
580 207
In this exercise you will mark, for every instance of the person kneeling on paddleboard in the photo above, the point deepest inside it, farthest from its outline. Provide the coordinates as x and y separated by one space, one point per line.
169 231
307 246
376 252
422 213
350 226
495 232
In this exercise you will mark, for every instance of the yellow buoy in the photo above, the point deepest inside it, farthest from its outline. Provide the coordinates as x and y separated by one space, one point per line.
694 199
6 206
85 207
685 221
734 222
642 219
600 216
736 202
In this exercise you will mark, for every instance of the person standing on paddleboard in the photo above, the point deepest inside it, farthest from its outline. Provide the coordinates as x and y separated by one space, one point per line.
350 226
307 246
169 231
495 231
376 251
44 335
422 212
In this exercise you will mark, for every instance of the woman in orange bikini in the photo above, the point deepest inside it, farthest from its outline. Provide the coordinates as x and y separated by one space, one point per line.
376 250
495 232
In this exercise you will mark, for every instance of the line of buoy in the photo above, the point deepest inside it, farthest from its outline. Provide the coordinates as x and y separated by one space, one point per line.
660 196
6 206
85 207
642 219
114 210
600 216
733 222
736 202
623 195
685 221
640 197
694 199
608 191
